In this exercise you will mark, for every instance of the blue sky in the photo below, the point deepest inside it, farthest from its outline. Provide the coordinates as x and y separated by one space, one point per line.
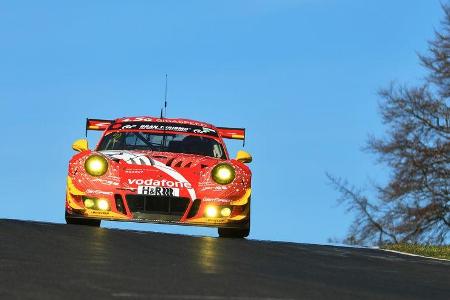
301 76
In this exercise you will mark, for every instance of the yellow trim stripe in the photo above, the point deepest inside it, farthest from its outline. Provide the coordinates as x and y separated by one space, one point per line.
72 189
105 214
72 202
237 136
244 199
242 216
238 217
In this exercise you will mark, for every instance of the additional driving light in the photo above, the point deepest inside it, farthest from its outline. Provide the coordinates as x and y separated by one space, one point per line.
102 204
211 211
225 212
89 203
223 173
96 165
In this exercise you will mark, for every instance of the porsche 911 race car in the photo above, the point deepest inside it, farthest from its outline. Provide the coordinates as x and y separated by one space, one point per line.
160 170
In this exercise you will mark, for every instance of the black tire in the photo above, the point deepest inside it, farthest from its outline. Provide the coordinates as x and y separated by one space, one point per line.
236 233
81 221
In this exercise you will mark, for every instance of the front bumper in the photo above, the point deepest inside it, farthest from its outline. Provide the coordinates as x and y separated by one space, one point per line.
126 206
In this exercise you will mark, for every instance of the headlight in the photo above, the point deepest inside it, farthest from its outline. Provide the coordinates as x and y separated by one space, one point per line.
225 212
102 204
211 211
96 165
89 203
94 203
223 173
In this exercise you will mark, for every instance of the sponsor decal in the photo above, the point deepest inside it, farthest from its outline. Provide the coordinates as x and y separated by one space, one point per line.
105 181
158 191
134 171
210 220
129 158
218 200
90 191
159 120
96 212
175 175
214 188
204 130
138 119
129 126
164 126
160 183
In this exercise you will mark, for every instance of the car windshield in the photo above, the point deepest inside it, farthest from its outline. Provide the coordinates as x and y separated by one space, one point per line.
163 142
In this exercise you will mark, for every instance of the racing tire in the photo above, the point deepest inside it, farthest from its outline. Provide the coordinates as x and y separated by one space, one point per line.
81 221
236 233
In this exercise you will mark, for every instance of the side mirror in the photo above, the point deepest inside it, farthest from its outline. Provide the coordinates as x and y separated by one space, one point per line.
244 157
80 145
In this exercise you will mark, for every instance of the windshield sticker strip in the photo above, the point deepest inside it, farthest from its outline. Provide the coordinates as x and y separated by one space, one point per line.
164 127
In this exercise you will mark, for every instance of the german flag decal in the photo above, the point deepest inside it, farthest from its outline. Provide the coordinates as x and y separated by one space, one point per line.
232 133
96 124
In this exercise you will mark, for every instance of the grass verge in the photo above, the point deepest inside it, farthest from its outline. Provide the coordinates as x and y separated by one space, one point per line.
424 250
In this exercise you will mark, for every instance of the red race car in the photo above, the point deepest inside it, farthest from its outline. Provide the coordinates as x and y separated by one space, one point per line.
160 170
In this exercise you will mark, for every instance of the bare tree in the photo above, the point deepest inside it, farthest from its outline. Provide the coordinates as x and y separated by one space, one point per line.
414 206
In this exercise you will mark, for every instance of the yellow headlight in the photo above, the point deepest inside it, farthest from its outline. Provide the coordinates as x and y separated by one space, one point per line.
211 211
102 204
223 173
225 212
96 165
89 203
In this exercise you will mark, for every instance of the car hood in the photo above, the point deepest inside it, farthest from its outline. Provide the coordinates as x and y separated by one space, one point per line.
161 168
169 159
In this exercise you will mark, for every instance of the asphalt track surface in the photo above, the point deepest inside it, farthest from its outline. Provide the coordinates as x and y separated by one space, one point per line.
55 261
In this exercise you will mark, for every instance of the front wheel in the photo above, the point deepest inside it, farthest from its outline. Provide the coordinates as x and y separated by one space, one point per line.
238 233
80 221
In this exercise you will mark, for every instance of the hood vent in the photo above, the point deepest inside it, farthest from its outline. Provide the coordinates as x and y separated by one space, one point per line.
170 161
159 156
183 162
179 164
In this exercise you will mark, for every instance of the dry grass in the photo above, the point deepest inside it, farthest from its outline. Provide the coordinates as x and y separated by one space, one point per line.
424 250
